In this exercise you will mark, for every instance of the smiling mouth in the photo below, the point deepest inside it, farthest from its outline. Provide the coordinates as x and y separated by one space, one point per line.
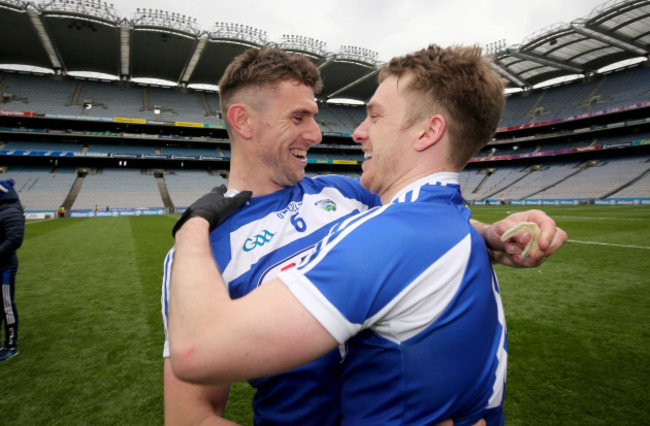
298 153
367 155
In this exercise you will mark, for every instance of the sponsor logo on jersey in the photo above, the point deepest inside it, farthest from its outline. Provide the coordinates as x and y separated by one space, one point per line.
258 240
293 207
327 205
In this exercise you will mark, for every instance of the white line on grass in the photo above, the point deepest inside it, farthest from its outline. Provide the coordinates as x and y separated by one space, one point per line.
597 218
609 244
32 221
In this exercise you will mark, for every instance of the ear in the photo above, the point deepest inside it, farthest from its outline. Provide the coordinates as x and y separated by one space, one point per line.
239 117
431 131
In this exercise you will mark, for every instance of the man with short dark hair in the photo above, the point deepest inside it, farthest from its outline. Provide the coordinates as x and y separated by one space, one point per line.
268 102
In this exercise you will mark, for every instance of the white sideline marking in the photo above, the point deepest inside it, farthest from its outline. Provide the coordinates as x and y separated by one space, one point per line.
32 221
608 244
598 218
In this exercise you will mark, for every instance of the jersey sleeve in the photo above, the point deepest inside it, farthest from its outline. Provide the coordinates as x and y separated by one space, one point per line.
381 273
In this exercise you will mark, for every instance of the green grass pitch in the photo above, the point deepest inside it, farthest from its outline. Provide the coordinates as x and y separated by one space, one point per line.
88 295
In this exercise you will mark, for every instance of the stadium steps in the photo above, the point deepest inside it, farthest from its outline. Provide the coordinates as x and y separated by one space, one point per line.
509 184
584 167
74 191
145 99
587 103
349 117
164 193
533 112
625 185
3 81
206 106
75 97
488 172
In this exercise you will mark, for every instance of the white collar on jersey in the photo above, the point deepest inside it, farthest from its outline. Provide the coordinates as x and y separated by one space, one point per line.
441 178
231 193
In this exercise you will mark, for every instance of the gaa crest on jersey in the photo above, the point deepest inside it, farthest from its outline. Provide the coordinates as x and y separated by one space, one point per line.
327 205
258 240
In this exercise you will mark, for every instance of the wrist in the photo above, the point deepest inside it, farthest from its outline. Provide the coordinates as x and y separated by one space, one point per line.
195 225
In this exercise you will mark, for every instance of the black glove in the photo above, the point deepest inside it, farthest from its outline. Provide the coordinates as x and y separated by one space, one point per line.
213 207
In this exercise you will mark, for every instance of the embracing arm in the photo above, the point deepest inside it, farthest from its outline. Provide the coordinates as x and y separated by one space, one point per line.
190 404
214 339
508 252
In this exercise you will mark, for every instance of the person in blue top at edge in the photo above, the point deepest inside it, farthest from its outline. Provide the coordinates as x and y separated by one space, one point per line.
267 96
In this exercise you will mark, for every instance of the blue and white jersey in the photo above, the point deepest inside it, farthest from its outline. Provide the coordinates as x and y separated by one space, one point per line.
273 232
409 289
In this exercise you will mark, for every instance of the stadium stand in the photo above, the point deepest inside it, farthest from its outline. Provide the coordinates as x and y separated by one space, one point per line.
494 181
122 149
336 118
141 145
41 190
597 179
532 180
44 146
638 188
191 151
111 100
186 186
618 89
38 94
623 88
118 189
176 106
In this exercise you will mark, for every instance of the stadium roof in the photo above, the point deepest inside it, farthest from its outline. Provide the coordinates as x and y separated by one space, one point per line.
614 32
87 36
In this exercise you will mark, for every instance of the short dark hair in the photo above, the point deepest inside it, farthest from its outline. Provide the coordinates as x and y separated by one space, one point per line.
265 66
459 83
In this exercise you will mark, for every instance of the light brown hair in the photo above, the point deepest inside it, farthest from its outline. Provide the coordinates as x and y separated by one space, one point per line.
458 83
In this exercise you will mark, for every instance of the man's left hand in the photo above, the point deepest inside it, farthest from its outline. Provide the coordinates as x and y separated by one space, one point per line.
214 207
508 252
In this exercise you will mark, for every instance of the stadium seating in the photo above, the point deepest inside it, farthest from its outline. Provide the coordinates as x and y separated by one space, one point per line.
186 186
122 149
40 94
598 179
622 88
639 188
111 100
492 182
44 146
538 178
39 189
177 106
118 188
190 151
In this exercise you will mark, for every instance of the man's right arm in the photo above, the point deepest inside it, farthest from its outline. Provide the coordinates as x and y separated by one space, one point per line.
189 404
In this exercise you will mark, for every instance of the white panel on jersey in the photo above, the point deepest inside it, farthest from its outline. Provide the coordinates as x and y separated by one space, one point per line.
300 218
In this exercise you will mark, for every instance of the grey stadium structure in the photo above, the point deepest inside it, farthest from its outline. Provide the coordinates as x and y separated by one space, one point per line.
121 115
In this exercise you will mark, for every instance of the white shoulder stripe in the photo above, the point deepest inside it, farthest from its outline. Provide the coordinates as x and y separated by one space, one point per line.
346 228
425 298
